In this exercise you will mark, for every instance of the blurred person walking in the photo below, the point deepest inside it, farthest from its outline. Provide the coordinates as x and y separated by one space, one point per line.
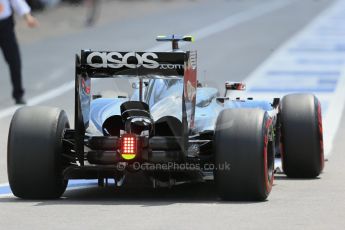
9 44
93 7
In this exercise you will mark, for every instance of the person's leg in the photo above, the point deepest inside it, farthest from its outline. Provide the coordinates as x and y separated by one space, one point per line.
93 7
11 53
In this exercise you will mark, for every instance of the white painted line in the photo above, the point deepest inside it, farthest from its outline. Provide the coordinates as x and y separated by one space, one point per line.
322 53
51 94
73 185
9 195
333 115
231 21
55 75
8 111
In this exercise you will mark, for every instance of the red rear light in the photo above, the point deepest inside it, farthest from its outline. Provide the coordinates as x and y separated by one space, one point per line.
129 146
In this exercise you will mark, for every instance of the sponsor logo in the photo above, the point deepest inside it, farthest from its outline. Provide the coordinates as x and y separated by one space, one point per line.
132 60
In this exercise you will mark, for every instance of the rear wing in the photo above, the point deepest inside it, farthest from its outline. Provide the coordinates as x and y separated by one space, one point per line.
105 64
140 64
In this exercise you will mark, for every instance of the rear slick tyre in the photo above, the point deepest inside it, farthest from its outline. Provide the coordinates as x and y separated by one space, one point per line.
301 136
34 154
243 139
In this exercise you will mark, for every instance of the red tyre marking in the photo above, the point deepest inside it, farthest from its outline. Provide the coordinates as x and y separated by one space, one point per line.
319 117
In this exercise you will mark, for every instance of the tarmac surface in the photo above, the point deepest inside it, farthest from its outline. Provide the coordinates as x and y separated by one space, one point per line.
233 39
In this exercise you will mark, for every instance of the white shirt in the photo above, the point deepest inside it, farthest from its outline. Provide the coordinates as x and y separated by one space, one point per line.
19 6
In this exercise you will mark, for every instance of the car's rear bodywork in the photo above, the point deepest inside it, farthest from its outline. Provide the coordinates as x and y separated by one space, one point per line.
184 115
173 129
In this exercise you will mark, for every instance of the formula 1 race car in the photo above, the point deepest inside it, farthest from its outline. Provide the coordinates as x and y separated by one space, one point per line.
172 130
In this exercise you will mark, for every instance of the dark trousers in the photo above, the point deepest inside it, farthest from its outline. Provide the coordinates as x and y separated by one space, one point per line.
10 49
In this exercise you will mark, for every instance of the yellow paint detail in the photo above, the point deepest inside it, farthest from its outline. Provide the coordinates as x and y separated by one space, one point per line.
128 156
190 37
